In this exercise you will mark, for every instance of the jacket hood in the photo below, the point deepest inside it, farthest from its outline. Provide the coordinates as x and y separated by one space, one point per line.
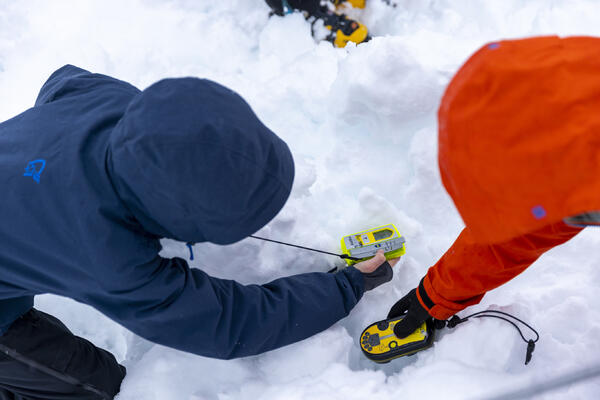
192 162
519 135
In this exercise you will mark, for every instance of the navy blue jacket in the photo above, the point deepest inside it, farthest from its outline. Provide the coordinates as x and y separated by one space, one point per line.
97 172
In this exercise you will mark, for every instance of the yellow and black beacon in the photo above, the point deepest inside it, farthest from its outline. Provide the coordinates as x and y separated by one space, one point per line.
379 343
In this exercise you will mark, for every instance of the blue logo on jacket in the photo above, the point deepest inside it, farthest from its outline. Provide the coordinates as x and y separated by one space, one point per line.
35 169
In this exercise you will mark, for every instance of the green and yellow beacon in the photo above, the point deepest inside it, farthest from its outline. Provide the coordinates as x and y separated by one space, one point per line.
363 245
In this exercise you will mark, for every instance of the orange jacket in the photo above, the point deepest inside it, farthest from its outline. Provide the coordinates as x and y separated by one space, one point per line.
519 141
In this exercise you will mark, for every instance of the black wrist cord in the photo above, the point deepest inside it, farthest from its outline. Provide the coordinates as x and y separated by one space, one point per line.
455 320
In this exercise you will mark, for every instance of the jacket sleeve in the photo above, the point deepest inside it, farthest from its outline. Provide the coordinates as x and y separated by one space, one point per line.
186 309
469 269
56 82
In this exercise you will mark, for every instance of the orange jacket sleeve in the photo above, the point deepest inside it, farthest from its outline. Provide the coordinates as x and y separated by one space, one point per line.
469 269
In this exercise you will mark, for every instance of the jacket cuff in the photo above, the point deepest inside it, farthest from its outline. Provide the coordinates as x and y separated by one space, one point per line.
436 305
356 280
12 309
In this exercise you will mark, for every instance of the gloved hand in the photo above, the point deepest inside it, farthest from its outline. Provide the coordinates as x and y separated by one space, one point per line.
378 277
414 313
376 270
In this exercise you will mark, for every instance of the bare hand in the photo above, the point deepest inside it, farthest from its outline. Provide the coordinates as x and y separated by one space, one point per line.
372 264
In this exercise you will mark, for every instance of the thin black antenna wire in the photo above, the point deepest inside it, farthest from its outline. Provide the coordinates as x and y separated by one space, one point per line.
344 256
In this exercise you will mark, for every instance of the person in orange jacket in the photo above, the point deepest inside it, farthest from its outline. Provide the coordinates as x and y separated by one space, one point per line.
519 141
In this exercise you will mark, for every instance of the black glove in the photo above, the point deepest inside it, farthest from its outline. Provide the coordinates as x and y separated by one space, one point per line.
378 277
413 311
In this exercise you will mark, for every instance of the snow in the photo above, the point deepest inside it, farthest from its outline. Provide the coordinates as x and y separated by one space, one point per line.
361 124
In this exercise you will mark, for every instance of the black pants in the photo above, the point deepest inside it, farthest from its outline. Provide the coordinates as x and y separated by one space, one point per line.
41 359
312 6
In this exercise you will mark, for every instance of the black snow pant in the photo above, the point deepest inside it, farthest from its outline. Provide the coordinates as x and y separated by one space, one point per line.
41 359
311 6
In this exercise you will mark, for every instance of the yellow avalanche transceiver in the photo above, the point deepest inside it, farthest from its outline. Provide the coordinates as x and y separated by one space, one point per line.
379 343
365 244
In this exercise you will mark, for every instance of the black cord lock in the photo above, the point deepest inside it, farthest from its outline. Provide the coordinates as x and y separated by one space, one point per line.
455 320
530 349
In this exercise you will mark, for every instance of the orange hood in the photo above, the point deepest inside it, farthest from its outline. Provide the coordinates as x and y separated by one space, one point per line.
519 135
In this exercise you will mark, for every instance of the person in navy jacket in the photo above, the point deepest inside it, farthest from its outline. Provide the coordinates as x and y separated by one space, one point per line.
93 176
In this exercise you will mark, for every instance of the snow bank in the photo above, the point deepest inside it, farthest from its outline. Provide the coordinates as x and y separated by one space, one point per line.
361 124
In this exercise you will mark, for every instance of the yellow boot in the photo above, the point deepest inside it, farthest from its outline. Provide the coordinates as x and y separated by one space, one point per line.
353 3
344 30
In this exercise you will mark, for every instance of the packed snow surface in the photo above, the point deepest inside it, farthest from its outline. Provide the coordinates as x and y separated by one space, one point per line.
361 123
